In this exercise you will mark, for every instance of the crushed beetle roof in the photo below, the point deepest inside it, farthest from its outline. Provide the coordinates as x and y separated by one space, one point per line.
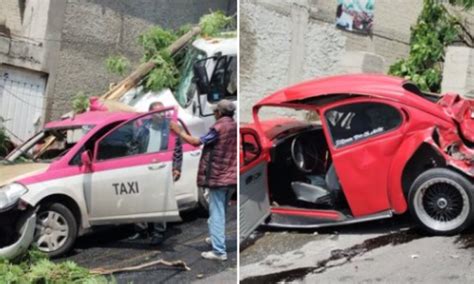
374 85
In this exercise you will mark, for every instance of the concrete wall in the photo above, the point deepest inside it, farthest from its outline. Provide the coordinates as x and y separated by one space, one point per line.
283 42
32 40
458 72
11 15
30 37
95 29
458 69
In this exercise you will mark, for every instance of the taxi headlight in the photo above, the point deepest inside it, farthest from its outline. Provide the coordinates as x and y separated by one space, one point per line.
10 194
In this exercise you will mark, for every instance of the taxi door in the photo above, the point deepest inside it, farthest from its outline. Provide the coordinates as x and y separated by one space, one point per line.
131 178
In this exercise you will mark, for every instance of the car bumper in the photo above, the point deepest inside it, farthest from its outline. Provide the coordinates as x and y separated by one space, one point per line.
26 235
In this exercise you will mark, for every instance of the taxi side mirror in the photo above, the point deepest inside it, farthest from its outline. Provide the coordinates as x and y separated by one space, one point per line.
86 161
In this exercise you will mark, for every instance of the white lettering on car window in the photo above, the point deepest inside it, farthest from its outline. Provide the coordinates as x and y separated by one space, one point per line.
345 141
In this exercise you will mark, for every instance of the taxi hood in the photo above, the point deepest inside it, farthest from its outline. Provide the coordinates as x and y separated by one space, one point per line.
10 173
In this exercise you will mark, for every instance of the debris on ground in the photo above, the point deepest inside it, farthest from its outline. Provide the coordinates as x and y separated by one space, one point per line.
35 267
177 264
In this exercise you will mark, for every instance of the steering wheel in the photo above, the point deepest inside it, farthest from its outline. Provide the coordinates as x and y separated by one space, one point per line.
304 155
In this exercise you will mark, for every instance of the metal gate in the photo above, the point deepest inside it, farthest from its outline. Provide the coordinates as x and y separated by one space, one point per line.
21 101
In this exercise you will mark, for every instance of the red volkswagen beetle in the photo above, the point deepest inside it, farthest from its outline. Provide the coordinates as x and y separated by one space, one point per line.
354 148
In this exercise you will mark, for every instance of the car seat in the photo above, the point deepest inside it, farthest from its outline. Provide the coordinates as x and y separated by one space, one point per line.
320 189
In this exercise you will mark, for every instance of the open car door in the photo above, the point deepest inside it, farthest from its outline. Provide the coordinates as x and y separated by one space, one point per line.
131 172
364 137
254 200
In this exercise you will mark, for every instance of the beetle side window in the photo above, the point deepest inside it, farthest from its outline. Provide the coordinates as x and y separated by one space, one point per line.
147 134
354 122
250 147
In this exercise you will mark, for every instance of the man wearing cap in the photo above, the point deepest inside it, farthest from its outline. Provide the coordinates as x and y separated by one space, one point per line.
217 171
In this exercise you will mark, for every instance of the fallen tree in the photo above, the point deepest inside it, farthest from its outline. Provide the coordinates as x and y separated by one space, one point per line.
133 79
161 58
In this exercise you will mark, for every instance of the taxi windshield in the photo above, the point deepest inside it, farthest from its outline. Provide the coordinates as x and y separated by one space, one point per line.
48 145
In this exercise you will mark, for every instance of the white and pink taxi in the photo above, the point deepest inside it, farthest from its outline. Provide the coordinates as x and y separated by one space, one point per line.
92 170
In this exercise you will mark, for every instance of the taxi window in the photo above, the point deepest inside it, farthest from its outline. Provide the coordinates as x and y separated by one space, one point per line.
89 145
147 134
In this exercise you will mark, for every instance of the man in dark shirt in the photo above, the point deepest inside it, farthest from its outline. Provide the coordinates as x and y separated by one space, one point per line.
217 171
146 140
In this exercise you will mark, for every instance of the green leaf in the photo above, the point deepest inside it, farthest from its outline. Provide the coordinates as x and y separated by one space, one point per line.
80 103
433 31
117 64
4 140
34 267
155 40
214 23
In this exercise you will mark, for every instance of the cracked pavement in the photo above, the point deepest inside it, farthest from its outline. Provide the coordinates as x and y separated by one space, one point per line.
388 251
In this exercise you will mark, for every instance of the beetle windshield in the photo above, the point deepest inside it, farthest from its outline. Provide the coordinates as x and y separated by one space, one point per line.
277 121
48 145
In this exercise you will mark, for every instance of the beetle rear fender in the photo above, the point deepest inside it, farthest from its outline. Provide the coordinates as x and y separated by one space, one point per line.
413 144
434 147
425 157
457 151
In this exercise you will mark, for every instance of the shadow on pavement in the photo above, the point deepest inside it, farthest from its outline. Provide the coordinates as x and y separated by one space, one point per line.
110 247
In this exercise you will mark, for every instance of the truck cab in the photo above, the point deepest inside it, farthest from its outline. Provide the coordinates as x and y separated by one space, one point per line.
218 56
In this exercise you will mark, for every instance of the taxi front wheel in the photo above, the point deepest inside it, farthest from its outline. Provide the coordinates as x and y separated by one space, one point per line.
56 229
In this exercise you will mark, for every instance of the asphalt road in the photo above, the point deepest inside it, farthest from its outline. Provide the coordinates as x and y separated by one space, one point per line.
389 251
110 248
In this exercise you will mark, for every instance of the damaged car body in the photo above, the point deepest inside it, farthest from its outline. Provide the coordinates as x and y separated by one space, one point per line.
88 170
366 147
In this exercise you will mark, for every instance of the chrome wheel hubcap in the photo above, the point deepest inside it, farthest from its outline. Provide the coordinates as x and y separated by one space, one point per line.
51 231
442 204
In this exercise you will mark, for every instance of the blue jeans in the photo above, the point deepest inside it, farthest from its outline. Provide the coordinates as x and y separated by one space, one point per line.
218 201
